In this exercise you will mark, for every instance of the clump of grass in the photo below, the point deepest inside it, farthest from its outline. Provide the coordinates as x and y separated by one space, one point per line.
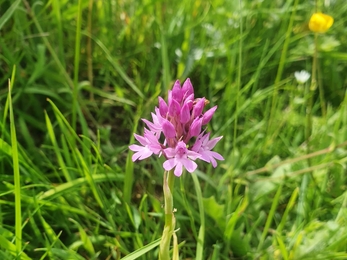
87 71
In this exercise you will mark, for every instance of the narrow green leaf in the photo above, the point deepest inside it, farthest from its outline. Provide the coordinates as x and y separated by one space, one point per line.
140 252
57 149
270 216
201 236
11 248
16 172
7 15
284 252
87 243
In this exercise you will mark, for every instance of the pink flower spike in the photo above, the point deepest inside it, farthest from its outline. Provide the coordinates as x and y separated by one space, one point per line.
203 146
185 114
177 92
163 108
180 157
174 108
199 106
187 88
168 129
207 116
176 131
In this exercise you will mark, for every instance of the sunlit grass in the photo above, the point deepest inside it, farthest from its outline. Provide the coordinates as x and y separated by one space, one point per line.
68 188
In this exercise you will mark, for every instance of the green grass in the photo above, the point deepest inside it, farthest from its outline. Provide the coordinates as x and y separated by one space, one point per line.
84 72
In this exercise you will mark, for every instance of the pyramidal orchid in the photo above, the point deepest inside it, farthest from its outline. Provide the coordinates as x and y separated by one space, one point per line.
178 133
179 123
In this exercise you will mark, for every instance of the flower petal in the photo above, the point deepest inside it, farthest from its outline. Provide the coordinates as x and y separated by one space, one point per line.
187 88
163 108
189 165
140 155
185 114
206 118
177 92
320 22
151 126
210 156
141 139
135 147
198 107
195 128
168 129
178 170
193 155
174 108
212 143
169 164
170 152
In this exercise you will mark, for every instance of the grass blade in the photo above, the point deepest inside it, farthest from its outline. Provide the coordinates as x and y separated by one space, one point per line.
76 64
201 236
140 252
16 173
7 15
270 216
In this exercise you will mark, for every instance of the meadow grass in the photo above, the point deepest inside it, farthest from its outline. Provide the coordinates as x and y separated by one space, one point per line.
76 78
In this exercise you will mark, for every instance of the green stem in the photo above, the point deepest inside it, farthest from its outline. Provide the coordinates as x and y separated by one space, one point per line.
310 92
281 66
16 171
308 131
76 65
321 94
300 211
168 184
309 98
239 74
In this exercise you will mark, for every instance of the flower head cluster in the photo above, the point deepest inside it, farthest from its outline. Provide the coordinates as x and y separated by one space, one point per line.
302 76
177 131
320 22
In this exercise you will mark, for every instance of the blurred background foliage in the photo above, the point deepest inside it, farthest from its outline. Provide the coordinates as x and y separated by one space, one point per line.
86 71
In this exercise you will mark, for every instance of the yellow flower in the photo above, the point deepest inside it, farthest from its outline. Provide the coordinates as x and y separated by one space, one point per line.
320 22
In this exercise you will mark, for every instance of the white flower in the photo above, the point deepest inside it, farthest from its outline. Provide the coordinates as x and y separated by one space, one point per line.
302 76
